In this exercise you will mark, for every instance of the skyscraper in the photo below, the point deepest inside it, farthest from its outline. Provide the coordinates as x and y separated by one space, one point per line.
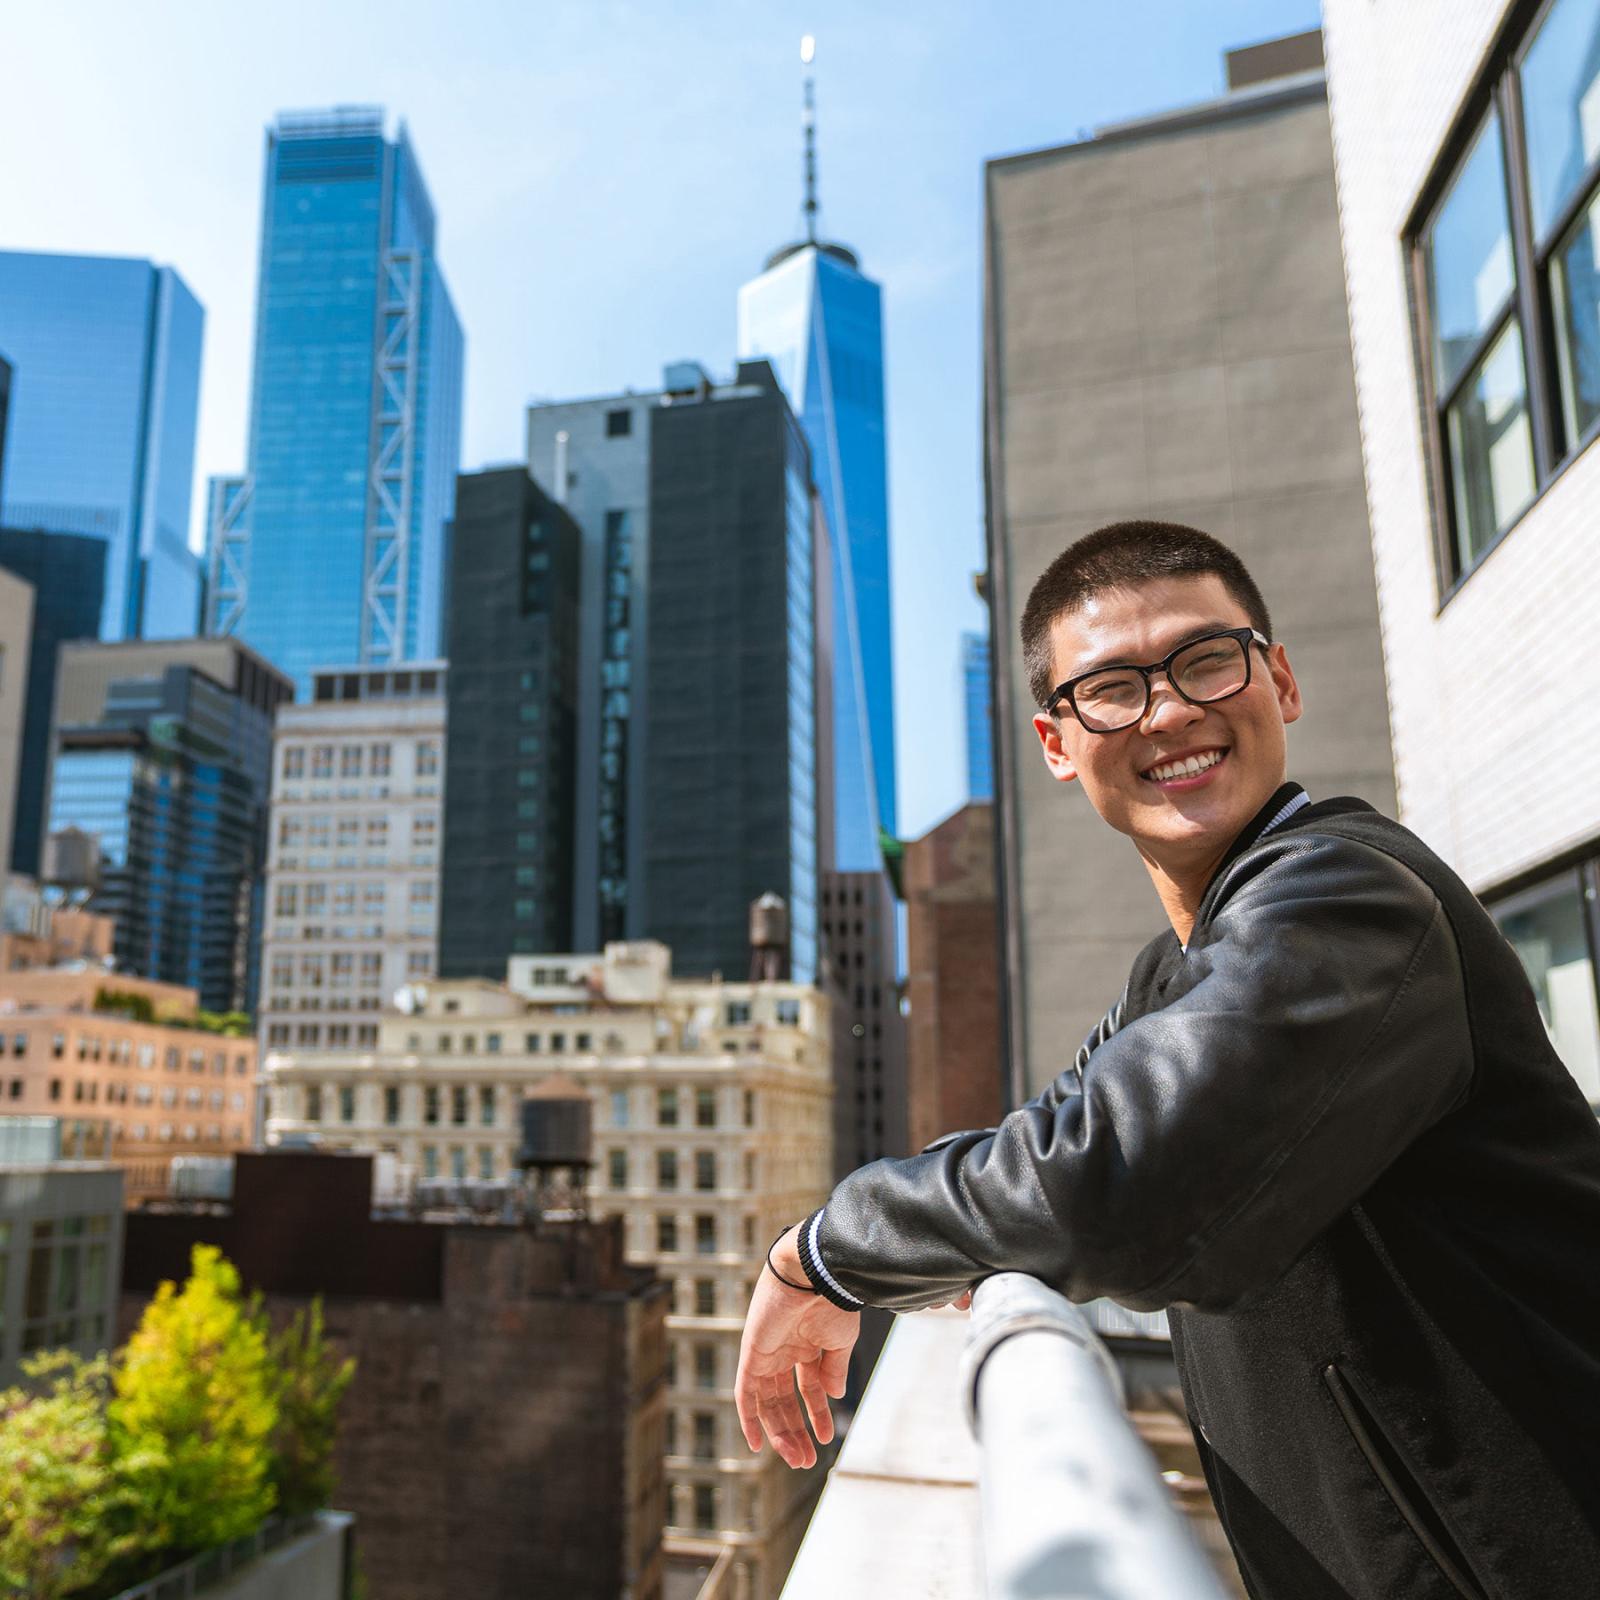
509 773
163 756
819 320
700 755
104 397
979 715
330 548
5 406
68 573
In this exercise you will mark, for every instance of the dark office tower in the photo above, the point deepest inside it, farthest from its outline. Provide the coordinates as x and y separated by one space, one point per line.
727 702
5 406
67 571
330 549
512 630
104 402
163 756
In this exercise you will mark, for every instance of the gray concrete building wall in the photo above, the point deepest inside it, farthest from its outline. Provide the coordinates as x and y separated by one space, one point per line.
1166 336
16 643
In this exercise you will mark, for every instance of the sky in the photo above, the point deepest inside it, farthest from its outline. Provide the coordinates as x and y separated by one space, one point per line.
606 174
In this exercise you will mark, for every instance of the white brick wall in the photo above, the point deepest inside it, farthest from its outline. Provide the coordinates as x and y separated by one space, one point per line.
1496 779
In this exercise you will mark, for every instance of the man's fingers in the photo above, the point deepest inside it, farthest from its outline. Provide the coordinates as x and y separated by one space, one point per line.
835 1371
815 1396
779 1410
745 1403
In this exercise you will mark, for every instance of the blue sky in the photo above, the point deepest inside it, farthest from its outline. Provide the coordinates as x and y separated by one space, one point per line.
607 172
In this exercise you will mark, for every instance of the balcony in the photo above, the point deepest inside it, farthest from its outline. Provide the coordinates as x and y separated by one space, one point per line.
1013 1454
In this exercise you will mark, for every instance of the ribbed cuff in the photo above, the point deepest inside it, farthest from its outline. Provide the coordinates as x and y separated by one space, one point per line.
811 1260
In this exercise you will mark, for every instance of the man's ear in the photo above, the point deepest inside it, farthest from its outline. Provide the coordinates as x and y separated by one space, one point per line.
1062 767
1283 681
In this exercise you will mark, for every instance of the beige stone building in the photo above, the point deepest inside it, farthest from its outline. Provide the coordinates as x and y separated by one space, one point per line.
157 1088
16 638
352 903
712 1130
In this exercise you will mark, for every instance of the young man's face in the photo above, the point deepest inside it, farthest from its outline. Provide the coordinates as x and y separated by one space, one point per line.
1175 820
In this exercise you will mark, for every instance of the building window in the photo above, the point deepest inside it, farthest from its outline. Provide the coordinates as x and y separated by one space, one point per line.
705 1297
617 1169
313 1102
347 1104
705 1436
485 1163
427 758
749 1108
430 1161
378 756
430 1105
294 761
1547 927
705 1170
789 1013
391 1105
705 1108
705 1366
705 1236
322 761
486 1105
458 1106
1506 255
666 1234
705 1507
458 1163
738 1013
666 1108
350 761
619 1108
666 1169
619 423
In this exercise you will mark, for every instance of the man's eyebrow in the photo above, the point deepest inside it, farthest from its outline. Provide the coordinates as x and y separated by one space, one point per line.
1199 631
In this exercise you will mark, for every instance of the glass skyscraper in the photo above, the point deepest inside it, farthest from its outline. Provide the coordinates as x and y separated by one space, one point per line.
980 731
819 320
105 392
330 548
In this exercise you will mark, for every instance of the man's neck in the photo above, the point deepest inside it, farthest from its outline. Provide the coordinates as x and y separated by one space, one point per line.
1181 883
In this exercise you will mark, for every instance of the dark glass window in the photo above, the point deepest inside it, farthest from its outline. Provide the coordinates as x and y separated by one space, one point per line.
619 424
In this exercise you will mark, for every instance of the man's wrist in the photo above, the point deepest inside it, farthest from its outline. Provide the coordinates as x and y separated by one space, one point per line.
807 1247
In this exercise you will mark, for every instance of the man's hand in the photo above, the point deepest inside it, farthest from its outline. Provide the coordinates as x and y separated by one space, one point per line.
791 1338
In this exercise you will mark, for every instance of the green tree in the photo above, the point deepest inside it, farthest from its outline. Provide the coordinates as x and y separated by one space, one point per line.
230 1024
311 1383
64 1508
194 1408
125 1002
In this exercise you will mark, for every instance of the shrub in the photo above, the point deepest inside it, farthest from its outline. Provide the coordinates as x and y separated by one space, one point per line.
193 1410
311 1382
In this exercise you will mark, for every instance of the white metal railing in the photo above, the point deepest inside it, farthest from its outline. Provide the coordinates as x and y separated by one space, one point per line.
1043 1489
1071 1501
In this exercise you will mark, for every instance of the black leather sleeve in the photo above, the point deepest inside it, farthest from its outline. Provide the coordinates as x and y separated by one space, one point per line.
1321 1030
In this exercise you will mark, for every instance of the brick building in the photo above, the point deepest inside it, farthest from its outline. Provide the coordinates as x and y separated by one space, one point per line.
1465 145
162 1089
953 941
503 1434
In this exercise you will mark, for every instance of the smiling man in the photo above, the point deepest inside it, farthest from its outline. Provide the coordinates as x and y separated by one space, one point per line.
1323 1126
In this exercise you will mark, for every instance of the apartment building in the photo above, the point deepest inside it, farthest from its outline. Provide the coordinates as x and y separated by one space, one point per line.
113 1049
712 1131
353 864
1466 141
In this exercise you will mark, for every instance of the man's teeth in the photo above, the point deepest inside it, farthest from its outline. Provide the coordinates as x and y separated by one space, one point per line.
1189 767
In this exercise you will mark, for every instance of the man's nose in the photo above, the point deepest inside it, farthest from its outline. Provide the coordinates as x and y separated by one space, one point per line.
1168 710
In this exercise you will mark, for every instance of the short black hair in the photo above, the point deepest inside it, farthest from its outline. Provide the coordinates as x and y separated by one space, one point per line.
1118 556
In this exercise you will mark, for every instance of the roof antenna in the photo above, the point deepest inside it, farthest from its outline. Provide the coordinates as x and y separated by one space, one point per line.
808 122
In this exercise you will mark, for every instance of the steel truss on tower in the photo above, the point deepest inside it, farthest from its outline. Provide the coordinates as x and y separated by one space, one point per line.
387 561
228 555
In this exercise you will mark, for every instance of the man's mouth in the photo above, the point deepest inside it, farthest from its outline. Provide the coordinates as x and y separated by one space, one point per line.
1179 769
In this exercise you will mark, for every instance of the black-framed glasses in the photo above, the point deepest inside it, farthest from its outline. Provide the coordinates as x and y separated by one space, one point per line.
1201 671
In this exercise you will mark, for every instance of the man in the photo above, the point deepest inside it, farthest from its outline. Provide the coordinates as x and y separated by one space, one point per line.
1323 1126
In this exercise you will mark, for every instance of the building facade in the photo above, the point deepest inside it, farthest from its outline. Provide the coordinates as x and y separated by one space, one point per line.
712 1132
511 768
1466 152
508 1384
352 881
954 1074
16 645
162 757
978 708
330 548
1166 336
818 318
699 743
105 398
123 1053
60 1256
67 573
5 407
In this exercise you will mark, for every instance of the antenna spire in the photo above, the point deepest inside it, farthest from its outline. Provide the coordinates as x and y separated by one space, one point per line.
808 123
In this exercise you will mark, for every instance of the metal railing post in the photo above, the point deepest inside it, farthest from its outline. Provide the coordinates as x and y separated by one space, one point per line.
1071 1501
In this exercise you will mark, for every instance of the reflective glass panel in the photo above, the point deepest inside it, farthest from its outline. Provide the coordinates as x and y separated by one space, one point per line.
1470 274
1575 301
1561 105
1546 929
1491 447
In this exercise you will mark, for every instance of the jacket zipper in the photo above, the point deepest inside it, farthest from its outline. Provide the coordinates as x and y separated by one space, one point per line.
1367 1432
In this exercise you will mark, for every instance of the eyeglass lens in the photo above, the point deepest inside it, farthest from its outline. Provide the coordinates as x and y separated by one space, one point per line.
1209 669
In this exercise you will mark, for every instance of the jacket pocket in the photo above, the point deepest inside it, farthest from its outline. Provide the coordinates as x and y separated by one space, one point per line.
1400 1483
